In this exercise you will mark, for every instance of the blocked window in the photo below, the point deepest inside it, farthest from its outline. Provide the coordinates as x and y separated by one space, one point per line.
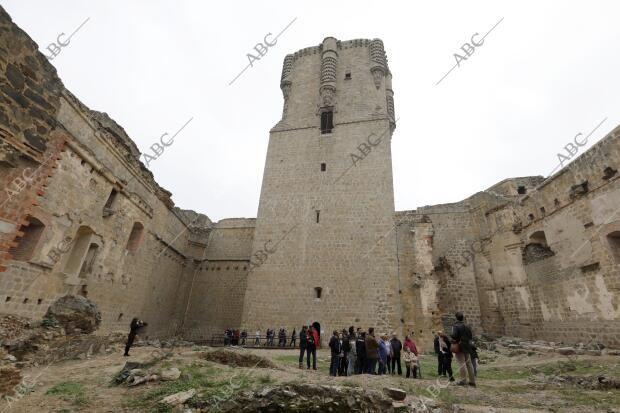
327 122
318 291
135 237
79 250
111 198
347 75
27 243
89 261
613 239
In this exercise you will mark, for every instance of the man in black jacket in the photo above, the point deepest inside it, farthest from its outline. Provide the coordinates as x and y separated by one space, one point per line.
334 345
397 346
303 344
134 327
360 351
462 335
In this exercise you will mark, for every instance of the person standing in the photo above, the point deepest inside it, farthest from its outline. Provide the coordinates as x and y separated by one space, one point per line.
294 338
134 328
397 346
409 343
360 350
303 345
461 337
372 351
244 336
411 362
336 348
346 349
474 358
383 354
390 354
437 347
313 340
446 355
352 358
257 338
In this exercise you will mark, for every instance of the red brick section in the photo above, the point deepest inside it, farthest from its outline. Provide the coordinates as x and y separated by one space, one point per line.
16 203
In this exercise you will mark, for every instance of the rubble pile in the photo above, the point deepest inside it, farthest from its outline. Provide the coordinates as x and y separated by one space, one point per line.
516 346
167 343
238 358
61 335
76 314
134 373
309 398
597 382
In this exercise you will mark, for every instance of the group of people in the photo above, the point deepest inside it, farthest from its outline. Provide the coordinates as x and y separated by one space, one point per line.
356 352
270 337
235 337
360 352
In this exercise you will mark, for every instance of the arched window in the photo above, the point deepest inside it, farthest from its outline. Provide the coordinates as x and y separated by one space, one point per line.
537 248
27 243
539 237
135 237
327 122
613 239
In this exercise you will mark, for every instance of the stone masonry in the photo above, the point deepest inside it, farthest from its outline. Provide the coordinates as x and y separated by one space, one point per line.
81 214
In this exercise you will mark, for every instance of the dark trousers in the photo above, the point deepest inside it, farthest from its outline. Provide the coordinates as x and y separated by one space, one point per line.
342 365
311 350
333 366
439 364
396 363
302 350
447 366
382 366
371 366
293 342
360 365
389 364
130 340
412 373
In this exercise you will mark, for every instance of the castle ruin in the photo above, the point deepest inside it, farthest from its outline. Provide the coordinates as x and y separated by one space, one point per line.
80 213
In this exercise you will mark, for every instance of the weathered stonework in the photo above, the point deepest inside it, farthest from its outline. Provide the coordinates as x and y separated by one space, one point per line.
79 213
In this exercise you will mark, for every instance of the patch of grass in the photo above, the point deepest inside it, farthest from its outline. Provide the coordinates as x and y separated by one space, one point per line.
211 383
265 379
289 359
582 397
349 383
70 391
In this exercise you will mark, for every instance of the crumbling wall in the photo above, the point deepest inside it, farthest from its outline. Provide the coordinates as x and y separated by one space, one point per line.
60 162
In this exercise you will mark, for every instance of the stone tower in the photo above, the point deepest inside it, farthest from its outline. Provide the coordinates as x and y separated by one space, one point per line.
324 247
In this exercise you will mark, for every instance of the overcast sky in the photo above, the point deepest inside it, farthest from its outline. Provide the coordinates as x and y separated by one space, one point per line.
547 72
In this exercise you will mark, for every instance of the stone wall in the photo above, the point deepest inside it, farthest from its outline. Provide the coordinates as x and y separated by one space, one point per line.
88 218
220 280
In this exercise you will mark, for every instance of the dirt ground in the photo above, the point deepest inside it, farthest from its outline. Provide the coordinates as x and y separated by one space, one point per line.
529 382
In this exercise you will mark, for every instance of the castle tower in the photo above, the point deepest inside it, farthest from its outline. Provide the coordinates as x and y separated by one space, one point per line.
324 247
